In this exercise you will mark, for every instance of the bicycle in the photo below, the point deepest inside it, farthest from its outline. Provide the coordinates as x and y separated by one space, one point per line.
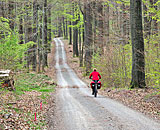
95 85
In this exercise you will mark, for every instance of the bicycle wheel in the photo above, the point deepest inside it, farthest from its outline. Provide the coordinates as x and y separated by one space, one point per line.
95 90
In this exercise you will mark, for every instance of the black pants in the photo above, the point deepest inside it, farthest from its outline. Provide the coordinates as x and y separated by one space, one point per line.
96 81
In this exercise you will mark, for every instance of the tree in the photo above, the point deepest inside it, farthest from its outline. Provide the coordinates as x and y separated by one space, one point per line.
138 60
88 36
75 29
50 24
70 32
100 26
45 34
106 24
35 34
11 14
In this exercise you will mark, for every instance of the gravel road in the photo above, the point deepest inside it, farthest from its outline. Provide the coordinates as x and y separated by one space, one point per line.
77 109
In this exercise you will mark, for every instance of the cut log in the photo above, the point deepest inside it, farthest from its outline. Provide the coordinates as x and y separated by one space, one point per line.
6 79
5 71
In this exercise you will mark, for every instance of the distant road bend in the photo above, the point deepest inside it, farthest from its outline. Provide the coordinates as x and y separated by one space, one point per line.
77 109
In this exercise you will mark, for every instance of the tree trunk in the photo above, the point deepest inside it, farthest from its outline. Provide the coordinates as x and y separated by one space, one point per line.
2 6
123 23
88 37
70 32
75 32
66 35
11 14
100 27
35 32
50 24
40 48
147 23
46 47
26 32
21 28
80 48
155 23
95 23
64 29
15 15
106 24
138 61
49 28
60 32
43 38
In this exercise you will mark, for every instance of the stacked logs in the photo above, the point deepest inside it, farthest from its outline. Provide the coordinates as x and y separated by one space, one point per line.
6 79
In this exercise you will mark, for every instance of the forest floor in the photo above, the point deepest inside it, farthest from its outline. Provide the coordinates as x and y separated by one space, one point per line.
146 101
32 96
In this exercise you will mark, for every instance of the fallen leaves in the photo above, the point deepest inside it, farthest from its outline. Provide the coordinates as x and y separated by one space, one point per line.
137 100
18 112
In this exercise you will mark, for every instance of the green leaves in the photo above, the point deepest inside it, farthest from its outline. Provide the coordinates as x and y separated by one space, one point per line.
11 53
4 28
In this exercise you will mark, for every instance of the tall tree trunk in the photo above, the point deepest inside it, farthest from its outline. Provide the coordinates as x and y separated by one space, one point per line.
46 47
2 6
75 32
138 61
83 37
75 42
66 35
106 23
123 23
100 27
43 38
155 23
88 37
21 28
11 14
80 47
64 29
35 35
147 23
50 24
26 32
60 32
95 23
40 47
70 32
49 28
15 15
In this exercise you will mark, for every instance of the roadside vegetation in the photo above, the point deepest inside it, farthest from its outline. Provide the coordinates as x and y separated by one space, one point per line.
18 108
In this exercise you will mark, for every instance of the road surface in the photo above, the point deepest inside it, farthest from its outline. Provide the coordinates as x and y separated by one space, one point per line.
77 109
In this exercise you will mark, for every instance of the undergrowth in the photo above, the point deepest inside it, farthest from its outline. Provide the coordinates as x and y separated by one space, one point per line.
115 65
33 82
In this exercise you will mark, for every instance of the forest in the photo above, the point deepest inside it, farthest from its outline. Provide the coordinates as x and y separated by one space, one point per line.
121 38
105 34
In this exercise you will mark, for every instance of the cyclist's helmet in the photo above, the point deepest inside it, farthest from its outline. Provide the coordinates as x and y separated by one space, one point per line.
94 69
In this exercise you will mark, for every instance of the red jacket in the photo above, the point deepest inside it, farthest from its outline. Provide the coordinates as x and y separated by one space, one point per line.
95 75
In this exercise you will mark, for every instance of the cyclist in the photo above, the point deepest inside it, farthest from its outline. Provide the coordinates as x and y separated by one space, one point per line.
95 76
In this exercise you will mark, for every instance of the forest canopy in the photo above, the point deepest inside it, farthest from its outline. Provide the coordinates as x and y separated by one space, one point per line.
100 31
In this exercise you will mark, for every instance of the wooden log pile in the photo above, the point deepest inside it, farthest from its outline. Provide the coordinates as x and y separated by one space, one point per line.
6 79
